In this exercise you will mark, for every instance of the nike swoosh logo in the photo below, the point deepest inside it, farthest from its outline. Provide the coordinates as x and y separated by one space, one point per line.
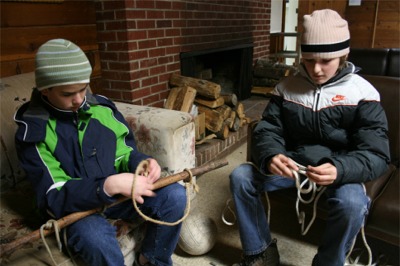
338 98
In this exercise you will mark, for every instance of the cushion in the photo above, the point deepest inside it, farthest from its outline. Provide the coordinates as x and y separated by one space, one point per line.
372 61
14 91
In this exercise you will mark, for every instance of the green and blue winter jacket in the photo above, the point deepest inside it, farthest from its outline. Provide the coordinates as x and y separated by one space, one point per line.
68 155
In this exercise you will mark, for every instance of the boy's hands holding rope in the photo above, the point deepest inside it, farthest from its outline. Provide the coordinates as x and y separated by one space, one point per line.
324 174
122 183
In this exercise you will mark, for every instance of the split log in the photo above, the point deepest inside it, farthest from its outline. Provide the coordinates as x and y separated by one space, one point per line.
200 126
214 119
223 133
232 118
225 110
203 87
230 99
236 124
9 248
210 103
240 110
181 99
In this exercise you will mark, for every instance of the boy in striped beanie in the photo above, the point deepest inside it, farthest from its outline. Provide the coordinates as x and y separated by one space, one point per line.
325 124
80 154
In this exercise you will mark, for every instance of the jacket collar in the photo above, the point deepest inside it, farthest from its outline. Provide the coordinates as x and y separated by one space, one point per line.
36 113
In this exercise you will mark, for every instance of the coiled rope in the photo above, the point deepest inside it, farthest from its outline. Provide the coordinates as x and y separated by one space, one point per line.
306 187
142 169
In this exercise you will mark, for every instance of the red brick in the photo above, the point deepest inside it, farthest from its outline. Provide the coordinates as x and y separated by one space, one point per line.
135 14
140 93
158 70
148 63
155 14
147 44
150 99
139 74
135 35
159 88
145 3
146 24
146 82
163 4
164 23
156 33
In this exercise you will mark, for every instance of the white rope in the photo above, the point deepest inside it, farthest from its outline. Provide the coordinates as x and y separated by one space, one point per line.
48 226
228 208
316 193
367 247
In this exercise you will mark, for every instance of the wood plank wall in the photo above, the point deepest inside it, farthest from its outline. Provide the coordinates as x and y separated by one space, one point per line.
26 25
374 24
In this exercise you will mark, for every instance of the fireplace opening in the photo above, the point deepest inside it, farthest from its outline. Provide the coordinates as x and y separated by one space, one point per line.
230 67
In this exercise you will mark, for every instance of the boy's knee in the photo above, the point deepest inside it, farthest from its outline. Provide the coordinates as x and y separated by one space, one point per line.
240 173
176 196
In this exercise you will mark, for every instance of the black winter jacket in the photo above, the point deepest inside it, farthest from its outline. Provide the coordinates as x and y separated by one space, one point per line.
341 122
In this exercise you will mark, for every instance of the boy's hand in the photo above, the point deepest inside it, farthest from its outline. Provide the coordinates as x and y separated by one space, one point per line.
154 170
122 184
282 165
324 174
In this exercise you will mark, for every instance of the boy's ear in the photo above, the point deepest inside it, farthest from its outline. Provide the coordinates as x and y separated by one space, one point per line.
44 92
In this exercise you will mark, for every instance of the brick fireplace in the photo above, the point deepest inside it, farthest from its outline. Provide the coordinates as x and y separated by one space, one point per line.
141 42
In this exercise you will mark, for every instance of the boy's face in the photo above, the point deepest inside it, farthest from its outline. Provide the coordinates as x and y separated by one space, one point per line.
66 97
321 70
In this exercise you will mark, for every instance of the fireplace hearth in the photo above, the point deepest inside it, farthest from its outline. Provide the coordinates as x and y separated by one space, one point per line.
230 67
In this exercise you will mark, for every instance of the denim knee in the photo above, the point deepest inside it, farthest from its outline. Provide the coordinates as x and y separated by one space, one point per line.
350 202
94 239
241 177
177 196
170 200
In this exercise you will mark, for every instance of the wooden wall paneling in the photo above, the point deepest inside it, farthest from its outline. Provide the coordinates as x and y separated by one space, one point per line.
26 25
361 24
387 31
374 24
10 68
42 14
22 43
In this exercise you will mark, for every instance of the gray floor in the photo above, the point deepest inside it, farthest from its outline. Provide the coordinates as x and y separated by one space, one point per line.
210 202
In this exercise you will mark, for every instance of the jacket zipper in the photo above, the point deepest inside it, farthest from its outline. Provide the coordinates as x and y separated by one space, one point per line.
76 122
316 122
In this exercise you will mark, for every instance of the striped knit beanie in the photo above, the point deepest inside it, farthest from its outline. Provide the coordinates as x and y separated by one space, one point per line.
326 35
61 62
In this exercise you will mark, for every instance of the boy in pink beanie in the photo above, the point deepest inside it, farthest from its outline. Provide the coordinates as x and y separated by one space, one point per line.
325 126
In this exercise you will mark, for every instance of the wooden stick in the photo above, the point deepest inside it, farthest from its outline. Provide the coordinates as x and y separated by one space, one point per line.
9 248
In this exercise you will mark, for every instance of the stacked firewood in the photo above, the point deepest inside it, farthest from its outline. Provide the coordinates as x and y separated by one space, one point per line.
222 112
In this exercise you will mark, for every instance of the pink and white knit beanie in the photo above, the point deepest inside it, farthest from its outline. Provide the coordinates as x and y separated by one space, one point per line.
326 35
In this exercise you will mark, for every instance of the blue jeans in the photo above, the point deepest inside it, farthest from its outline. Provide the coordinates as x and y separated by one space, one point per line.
94 238
348 206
